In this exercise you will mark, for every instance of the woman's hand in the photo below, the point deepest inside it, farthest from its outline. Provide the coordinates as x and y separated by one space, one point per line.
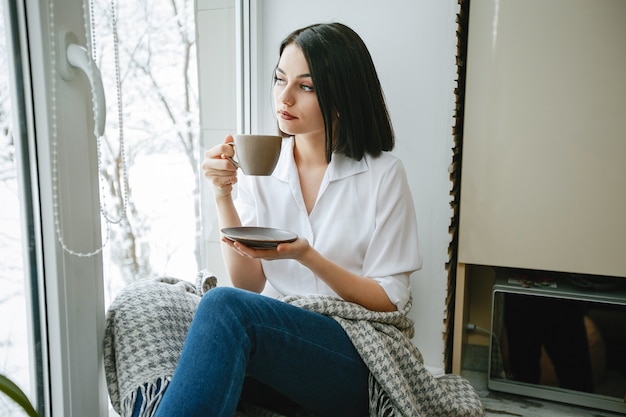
293 250
220 172
351 287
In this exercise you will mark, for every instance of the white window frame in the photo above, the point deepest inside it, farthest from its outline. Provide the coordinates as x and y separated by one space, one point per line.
72 299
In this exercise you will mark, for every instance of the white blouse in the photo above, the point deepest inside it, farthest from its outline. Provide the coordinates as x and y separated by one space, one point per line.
363 220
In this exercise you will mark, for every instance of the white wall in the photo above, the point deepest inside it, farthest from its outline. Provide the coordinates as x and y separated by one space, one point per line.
413 44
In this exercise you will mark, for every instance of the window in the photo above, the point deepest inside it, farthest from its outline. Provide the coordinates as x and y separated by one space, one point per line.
20 357
146 187
149 153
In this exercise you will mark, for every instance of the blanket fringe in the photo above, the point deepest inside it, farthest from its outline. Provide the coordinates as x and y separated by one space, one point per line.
380 403
151 395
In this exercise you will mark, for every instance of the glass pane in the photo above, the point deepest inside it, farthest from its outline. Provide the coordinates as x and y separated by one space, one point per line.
14 339
149 154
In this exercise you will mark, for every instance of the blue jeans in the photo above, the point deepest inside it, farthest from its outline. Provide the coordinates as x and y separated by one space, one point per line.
240 341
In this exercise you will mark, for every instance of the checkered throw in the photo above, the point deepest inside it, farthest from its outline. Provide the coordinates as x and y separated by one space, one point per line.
147 323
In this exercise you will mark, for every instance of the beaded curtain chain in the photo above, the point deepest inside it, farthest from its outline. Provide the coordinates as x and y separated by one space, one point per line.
87 19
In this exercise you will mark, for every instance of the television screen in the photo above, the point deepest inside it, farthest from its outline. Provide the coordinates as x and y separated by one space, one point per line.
559 339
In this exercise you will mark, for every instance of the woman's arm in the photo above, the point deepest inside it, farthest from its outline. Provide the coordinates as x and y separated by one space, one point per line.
349 286
244 272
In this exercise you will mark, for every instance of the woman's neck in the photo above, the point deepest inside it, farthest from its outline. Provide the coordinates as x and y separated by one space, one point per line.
310 150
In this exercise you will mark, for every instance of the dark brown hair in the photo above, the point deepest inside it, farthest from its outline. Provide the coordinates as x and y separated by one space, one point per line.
347 87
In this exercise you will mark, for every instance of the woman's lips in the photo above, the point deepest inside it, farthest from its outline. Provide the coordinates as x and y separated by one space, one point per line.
285 115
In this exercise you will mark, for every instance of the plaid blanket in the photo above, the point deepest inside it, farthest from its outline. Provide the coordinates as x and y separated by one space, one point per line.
147 322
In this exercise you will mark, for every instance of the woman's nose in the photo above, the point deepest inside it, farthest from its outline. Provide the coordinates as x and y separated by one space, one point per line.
285 96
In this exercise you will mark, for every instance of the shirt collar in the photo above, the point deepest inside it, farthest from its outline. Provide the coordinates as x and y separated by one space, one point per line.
340 165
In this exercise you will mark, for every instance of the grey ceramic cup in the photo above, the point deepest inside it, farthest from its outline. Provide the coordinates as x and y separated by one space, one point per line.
257 154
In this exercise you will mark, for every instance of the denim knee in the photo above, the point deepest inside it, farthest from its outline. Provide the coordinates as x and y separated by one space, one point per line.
222 296
219 294
225 303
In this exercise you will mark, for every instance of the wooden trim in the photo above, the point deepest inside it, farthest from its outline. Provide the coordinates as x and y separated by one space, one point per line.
461 313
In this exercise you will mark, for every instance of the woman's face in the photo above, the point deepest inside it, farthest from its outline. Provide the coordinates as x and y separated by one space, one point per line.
295 100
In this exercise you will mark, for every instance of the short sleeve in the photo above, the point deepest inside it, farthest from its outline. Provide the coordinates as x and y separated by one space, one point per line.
394 253
397 288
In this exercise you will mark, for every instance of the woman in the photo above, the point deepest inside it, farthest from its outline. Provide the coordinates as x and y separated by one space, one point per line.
348 199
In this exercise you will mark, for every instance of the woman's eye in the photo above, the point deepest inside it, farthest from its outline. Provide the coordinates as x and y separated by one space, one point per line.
278 80
305 87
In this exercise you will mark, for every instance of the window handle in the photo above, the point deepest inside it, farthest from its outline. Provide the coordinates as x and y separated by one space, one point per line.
78 57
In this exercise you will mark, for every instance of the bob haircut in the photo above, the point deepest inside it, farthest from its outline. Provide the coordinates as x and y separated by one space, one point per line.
356 120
